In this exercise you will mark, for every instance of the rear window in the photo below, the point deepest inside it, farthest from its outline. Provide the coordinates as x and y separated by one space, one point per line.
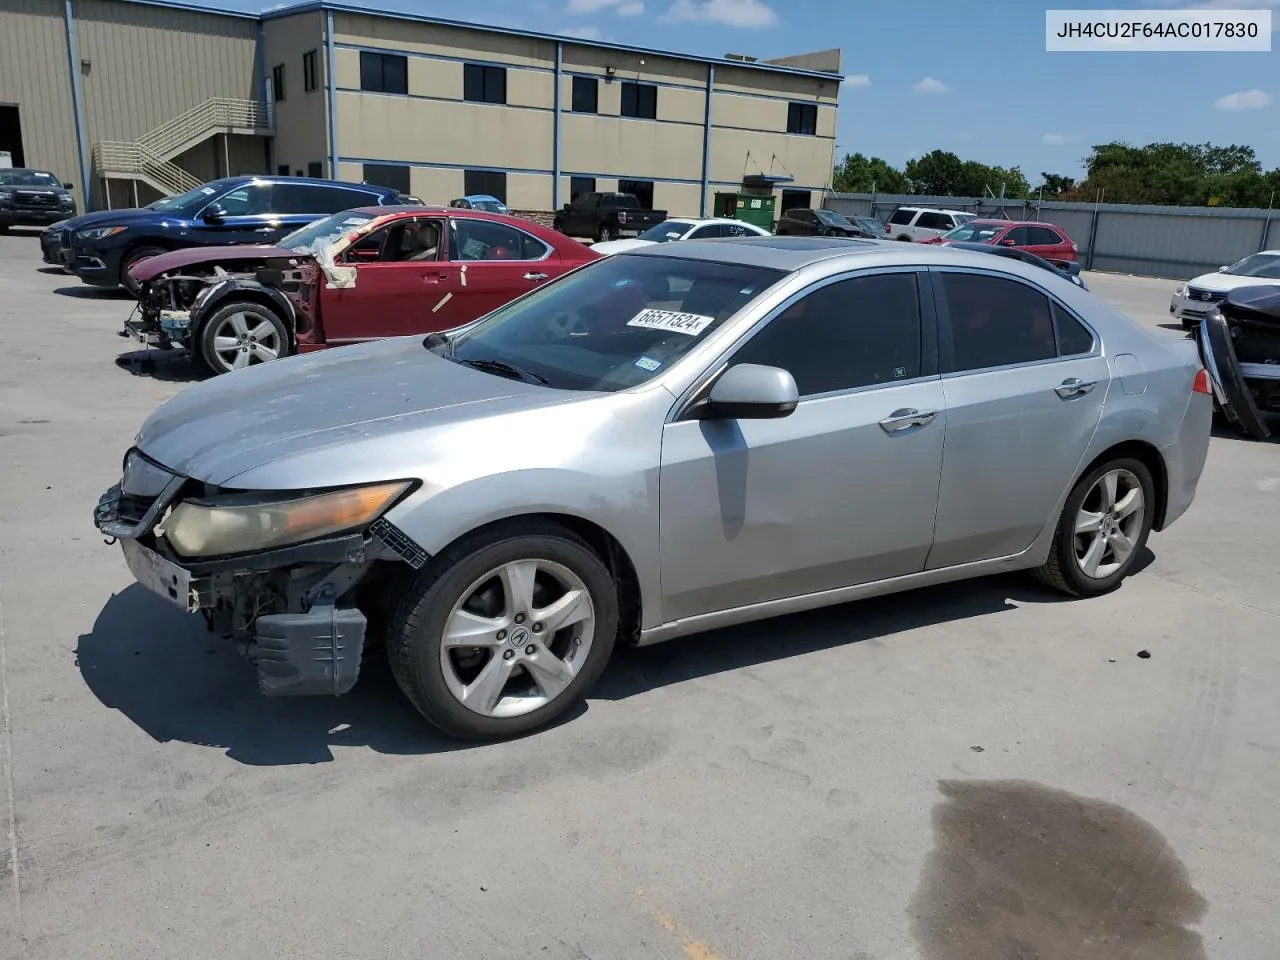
613 324
902 217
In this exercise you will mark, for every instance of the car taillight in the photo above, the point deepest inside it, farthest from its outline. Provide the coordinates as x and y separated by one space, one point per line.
1201 384
888 228
622 216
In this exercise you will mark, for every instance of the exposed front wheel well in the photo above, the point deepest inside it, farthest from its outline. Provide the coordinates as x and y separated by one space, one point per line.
1152 460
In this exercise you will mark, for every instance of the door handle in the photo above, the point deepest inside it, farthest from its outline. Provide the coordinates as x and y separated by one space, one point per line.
1074 387
432 277
535 276
907 417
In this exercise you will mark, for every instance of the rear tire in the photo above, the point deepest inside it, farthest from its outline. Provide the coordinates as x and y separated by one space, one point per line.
132 257
240 334
904 239
496 688
1102 530
604 234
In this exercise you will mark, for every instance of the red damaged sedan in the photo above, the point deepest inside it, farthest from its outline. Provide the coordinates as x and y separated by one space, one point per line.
1046 240
362 274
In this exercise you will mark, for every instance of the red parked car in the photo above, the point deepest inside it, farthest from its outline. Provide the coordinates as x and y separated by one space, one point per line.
362 274
1045 240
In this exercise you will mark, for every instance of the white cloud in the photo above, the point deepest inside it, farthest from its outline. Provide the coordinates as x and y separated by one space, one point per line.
930 85
733 13
1254 99
857 80
589 6
631 8
583 33
1057 139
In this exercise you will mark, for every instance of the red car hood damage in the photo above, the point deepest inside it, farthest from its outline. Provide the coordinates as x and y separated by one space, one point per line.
152 267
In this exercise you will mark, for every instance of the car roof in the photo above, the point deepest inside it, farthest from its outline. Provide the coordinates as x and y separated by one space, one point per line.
795 253
482 196
936 210
311 181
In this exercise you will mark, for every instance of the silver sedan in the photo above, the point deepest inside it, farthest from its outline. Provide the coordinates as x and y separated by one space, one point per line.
661 442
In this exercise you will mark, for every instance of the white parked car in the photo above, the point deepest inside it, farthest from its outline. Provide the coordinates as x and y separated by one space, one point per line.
682 229
1194 300
923 223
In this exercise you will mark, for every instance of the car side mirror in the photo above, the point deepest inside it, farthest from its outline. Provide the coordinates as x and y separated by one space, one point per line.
750 391
68 186
1008 243
214 213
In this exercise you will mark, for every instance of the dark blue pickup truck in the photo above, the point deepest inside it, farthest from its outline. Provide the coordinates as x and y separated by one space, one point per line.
100 247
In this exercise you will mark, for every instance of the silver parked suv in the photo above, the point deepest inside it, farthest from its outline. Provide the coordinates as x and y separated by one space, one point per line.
689 436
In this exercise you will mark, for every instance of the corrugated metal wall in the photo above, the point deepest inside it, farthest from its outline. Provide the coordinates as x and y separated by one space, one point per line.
149 64
35 75
1155 241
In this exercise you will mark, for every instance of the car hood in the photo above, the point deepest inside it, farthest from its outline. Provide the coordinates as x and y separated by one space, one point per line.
619 246
1220 282
104 217
219 429
152 267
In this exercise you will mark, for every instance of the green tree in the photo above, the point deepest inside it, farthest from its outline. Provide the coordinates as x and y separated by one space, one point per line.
938 173
1185 174
858 173
1055 184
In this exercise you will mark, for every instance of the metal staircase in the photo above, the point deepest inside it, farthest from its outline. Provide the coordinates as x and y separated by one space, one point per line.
149 159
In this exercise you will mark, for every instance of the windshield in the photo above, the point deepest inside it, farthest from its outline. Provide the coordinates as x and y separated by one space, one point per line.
1266 266
613 324
667 230
871 225
832 219
28 178
183 200
322 233
492 206
974 232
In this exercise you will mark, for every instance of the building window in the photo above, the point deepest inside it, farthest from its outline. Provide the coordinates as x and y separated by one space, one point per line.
481 84
384 73
277 82
586 95
283 169
802 118
642 189
310 75
491 182
315 169
795 200
395 176
581 185
640 100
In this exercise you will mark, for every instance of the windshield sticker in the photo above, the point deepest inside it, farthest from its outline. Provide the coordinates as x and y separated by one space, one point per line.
648 363
354 221
690 324
207 190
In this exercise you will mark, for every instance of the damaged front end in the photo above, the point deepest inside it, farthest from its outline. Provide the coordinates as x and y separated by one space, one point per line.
173 304
1240 346
299 606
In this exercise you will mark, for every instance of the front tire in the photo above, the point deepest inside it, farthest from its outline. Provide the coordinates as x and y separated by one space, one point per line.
605 233
1103 529
136 256
504 631
240 334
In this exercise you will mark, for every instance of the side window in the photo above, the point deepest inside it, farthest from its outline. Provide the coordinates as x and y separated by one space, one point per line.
901 217
1074 338
1020 236
1045 236
852 333
735 230
485 240
247 201
312 198
586 95
996 322
934 221
708 232
412 240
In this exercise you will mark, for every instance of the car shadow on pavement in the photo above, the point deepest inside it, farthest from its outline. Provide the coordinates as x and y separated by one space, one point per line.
1224 431
176 681
51 270
94 293
170 366
637 670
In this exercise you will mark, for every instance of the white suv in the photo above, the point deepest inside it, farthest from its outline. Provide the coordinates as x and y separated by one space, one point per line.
923 223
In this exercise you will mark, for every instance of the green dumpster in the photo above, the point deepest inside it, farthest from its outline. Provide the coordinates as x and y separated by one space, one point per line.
753 208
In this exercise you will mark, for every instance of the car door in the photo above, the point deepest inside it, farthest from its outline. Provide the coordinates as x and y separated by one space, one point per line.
842 491
401 283
1048 243
490 263
1019 237
243 215
1024 382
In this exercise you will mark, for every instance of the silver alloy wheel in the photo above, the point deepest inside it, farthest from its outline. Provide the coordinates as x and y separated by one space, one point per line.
243 338
1109 523
517 638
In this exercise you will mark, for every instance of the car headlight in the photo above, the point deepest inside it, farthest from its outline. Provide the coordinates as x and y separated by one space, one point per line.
6 194
1181 291
209 528
98 233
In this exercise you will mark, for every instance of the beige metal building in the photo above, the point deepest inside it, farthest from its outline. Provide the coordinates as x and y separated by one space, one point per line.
138 97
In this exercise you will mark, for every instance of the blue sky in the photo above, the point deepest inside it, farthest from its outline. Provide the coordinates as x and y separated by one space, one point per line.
970 76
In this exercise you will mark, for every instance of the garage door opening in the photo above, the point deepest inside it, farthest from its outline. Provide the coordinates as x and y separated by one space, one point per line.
11 135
